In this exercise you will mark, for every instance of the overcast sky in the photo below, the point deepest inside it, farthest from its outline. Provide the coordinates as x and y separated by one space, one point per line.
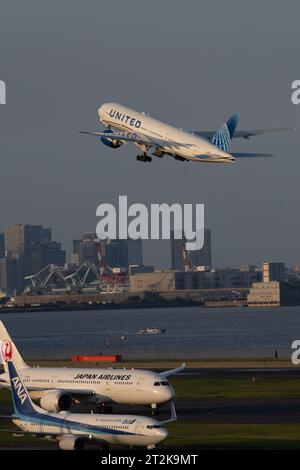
188 62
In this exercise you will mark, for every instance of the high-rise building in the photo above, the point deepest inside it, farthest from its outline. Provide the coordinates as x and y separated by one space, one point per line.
2 245
11 275
18 237
201 257
123 253
176 253
87 248
135 252
34 249
76 247
116 253
15 240
273 272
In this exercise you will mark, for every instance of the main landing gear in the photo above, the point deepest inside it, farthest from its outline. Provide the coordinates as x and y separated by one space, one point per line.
144 158
102 408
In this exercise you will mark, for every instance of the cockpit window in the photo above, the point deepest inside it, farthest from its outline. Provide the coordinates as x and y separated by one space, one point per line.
154 426
164 383
156 384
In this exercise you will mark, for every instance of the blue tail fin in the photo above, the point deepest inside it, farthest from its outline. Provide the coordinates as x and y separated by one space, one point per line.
21 399
222 137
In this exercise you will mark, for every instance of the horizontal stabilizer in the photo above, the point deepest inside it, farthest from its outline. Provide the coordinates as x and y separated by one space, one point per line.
248 134
250 155
243 134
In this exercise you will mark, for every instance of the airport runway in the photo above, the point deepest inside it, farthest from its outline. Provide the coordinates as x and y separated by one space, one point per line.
231 372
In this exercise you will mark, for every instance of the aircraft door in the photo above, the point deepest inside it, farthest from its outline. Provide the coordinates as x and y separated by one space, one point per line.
54 381
138 427
140 384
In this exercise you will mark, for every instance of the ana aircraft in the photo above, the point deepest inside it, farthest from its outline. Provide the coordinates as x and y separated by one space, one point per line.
73 430
58 387
125 125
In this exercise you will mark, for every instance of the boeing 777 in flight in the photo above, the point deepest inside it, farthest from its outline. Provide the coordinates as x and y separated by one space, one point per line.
125 125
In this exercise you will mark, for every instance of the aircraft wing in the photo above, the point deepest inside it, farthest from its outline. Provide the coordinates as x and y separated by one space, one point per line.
136 138
243 134
167 373
78 391
122 136
19 432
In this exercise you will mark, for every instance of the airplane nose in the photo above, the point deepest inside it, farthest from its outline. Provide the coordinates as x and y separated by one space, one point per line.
221 153
170 393
100 111
163 434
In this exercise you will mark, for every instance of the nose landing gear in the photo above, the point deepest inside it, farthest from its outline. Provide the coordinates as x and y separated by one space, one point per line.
154 409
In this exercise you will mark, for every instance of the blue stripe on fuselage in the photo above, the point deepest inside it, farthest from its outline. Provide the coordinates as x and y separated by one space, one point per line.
44 420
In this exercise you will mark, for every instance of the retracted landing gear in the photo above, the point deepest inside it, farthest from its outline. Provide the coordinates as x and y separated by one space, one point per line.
144 158
154 409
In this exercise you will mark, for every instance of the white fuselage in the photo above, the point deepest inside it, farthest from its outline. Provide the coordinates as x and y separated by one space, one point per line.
179 142
128 430
106 385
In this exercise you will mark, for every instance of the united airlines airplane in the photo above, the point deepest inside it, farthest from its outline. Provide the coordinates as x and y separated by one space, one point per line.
73 430
58 387
125 125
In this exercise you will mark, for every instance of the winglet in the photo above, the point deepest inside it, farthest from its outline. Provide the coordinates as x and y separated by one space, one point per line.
167 373
173 415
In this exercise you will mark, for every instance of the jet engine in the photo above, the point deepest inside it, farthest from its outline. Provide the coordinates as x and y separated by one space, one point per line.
55 400
71 443
113 143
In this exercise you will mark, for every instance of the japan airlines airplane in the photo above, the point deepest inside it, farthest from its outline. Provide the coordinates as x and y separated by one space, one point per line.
73 430
58 387
126 125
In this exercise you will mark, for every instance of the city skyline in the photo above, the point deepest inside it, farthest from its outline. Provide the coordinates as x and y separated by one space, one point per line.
206 250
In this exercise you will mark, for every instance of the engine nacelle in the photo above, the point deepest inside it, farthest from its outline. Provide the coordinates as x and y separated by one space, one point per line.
71 443
54 401
113 143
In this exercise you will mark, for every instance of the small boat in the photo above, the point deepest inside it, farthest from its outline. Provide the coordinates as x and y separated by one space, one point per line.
154 330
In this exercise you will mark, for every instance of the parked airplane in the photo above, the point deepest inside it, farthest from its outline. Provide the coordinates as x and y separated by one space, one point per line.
58 387
126 125
73 430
